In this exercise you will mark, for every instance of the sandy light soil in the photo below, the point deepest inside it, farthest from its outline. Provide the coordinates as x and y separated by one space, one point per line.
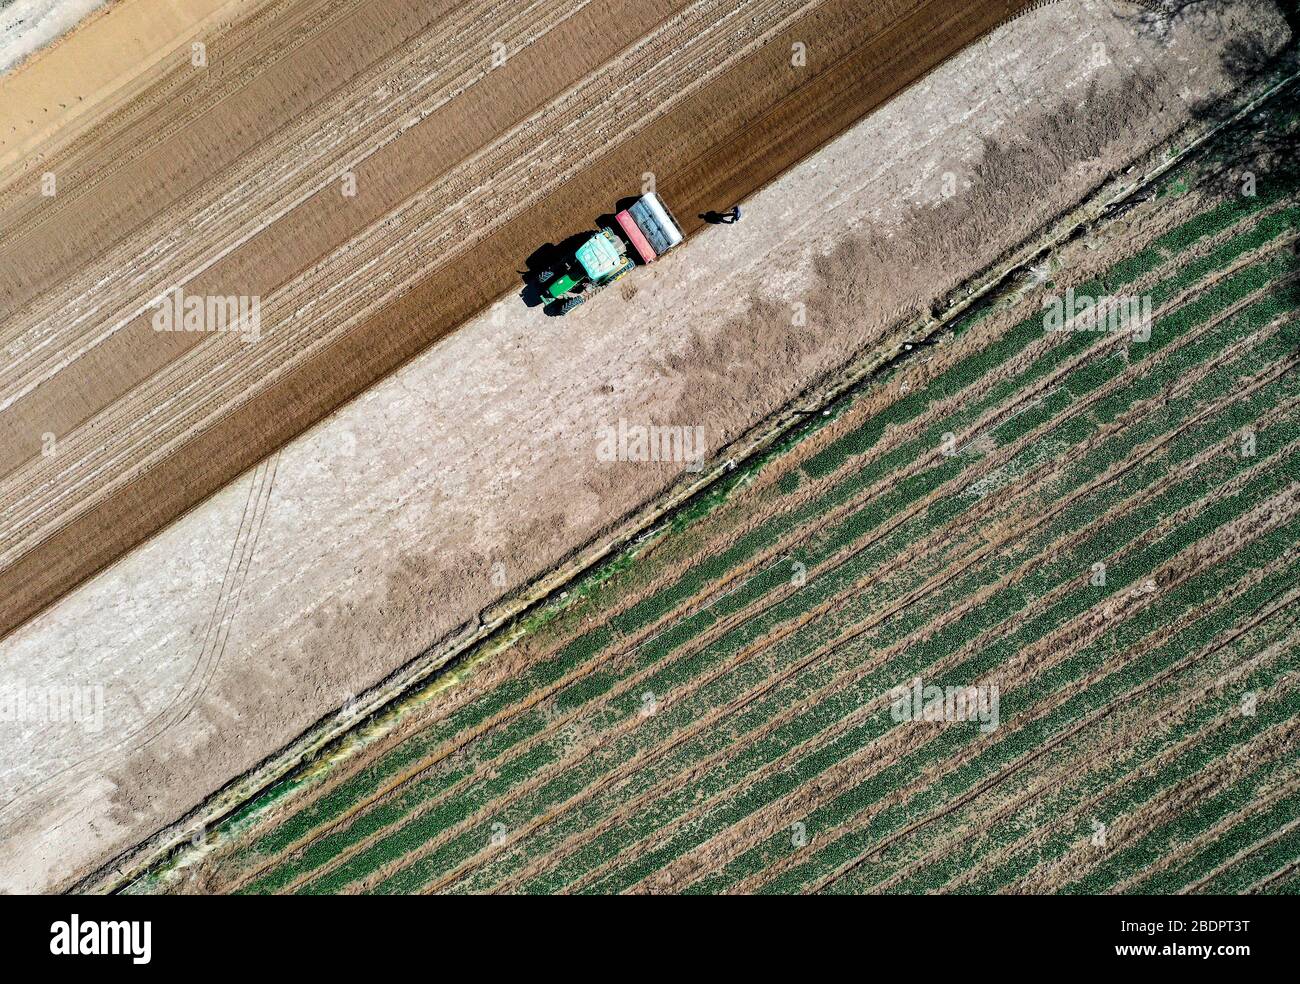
397 519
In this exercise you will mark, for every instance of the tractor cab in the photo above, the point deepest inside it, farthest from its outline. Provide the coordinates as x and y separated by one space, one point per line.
599 257
599 261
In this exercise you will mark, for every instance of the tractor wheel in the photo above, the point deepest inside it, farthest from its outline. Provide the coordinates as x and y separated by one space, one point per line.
570 304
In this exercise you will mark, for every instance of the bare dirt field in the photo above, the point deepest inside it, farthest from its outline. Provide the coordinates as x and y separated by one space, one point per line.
386 528
226 181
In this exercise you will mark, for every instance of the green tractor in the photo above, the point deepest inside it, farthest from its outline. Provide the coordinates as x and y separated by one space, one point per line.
597 263
603 256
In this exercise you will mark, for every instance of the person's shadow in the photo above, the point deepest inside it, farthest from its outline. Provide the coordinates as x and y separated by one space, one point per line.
727 217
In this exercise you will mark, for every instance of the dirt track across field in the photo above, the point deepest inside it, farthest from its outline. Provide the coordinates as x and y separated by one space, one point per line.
226 180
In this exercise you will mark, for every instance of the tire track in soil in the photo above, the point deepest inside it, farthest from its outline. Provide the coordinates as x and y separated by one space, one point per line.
213 644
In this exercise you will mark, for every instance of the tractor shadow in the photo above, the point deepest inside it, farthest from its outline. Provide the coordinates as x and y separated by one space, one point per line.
548 256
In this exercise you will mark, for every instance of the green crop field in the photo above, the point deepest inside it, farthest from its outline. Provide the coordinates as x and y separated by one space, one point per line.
1089 538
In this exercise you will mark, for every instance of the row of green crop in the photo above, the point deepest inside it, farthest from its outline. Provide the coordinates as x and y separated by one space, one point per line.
1039 830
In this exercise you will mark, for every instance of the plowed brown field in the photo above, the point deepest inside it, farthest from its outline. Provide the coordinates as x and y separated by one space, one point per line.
226 179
